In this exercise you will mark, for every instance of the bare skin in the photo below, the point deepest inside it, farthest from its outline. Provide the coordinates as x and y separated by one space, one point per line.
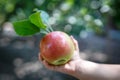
85 70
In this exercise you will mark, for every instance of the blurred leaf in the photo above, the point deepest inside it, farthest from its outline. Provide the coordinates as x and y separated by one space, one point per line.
40 19
25 28
83 11
44 17
9 7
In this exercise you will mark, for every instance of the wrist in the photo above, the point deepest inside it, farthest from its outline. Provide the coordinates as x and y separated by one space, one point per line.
85 68
78 69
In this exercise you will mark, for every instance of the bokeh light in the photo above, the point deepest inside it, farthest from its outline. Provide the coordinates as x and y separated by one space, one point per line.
95 24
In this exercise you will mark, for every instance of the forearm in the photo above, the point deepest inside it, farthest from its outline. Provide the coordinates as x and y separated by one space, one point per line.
109 71
93 71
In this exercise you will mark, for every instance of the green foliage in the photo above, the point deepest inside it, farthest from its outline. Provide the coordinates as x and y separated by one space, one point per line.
36 20
87 15
25 28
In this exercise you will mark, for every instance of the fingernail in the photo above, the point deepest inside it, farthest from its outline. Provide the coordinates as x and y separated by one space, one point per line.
71 36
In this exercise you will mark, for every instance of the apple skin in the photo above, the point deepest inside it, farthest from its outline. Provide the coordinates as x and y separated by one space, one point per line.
56 48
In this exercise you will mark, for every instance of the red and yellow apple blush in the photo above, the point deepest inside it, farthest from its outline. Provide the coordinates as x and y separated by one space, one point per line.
56 48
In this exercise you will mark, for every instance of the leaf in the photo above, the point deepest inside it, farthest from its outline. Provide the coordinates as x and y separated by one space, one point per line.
25 28
38 20
44 17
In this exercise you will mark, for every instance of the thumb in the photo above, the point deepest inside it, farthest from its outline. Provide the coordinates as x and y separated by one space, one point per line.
75 43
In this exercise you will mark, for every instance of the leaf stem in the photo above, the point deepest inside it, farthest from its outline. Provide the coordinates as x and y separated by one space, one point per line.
47 30
44 31
50 28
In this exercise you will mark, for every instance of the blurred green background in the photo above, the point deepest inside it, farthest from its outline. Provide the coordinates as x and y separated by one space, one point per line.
94 23
69 15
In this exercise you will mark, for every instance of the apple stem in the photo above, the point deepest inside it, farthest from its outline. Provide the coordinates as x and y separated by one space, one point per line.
49 27
44 31
47 30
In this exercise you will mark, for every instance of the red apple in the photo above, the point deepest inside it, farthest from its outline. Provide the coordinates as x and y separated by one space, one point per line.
56 48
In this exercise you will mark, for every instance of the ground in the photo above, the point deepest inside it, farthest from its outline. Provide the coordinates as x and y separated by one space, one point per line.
19 56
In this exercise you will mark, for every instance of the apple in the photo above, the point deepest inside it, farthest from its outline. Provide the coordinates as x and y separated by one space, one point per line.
56 48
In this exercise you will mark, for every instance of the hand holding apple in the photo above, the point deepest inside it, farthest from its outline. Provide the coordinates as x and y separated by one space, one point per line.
56 48
71 66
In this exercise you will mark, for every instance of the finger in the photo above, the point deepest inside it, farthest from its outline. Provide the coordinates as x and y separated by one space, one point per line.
62 68
75 43
40 57
48 66
53 67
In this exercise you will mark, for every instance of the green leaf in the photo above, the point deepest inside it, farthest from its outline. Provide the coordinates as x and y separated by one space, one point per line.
25 28
44 17
38 20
